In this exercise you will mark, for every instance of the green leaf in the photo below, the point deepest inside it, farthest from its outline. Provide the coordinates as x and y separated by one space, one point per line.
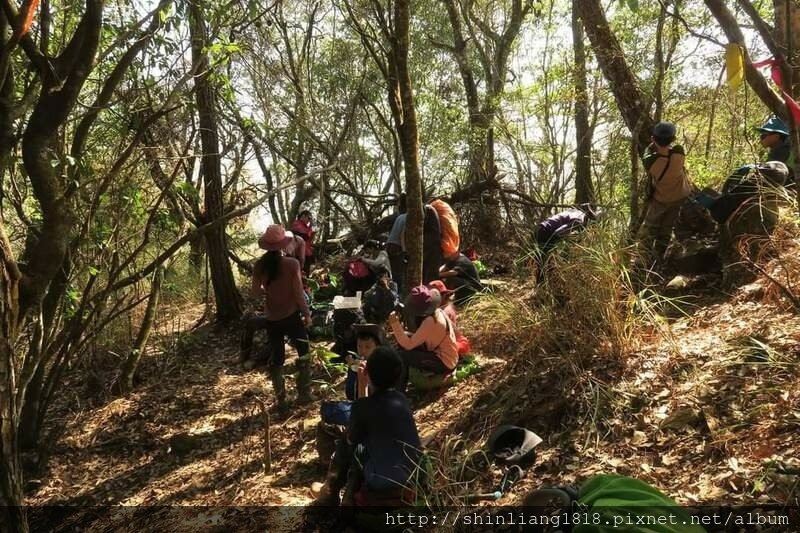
633 5
93 271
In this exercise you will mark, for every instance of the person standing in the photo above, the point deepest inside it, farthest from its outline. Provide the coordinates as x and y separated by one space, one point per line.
395 249
303 227
668 188
286 313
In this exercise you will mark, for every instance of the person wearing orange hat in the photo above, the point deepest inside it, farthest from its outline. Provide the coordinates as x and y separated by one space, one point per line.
462 343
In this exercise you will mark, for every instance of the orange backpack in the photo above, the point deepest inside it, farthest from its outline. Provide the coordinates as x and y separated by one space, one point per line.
448 222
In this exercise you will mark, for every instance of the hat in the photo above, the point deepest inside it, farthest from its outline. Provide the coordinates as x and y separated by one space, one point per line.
275 238
441 287
664 130
774 125
370 329
511 445
775 171
423 301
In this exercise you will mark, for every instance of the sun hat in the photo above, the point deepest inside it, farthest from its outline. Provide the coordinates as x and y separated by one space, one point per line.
774 125
423 301
275 238
441 287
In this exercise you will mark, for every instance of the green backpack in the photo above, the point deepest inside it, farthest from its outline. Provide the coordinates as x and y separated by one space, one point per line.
618 504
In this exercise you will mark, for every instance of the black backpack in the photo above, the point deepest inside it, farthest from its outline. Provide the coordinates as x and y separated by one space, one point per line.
343 334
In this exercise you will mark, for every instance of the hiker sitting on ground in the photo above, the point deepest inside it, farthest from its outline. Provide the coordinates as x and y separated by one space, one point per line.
381 434
432 347
286 313
774 135
380 300
376 258
460 275
462 343
303 226
668 188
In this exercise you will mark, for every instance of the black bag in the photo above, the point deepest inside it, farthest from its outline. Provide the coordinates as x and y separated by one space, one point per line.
343 334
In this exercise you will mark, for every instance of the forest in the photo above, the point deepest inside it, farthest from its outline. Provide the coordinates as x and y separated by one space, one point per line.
536 243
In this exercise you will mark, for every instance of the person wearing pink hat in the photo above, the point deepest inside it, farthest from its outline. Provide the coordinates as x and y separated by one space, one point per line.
278 278
295 248
432 347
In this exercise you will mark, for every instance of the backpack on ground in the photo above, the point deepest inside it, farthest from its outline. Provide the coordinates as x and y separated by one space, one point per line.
618 504
448 225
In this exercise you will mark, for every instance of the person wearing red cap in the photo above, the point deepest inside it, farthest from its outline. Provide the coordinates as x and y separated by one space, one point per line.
302 226
432 347
462 343
286 314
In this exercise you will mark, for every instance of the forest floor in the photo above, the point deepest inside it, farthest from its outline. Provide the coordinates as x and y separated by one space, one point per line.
707 410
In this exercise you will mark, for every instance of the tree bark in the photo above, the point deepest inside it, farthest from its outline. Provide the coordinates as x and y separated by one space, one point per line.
584 191
624 85
409 143
226 295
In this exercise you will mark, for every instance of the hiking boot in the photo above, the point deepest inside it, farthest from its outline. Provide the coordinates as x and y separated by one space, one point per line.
279 387
324 495
304 382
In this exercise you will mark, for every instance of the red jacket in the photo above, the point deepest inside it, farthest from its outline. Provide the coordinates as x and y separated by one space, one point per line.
306 232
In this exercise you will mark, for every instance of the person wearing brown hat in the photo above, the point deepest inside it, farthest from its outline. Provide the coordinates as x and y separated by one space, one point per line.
278 278
432 347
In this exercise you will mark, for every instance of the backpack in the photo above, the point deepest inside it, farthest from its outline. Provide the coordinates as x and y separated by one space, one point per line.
619 504
343 334
448 225
379 301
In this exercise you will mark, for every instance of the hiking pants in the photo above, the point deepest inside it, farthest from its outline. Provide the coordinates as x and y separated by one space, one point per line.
656 231
423 360
277 330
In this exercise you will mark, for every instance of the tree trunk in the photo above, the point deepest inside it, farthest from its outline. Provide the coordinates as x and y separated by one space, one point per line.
132 361
584 191
11 485
409 143
787 35
624 85
227 297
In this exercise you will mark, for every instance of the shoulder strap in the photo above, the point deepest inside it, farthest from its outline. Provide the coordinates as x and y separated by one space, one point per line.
666 167
447 328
